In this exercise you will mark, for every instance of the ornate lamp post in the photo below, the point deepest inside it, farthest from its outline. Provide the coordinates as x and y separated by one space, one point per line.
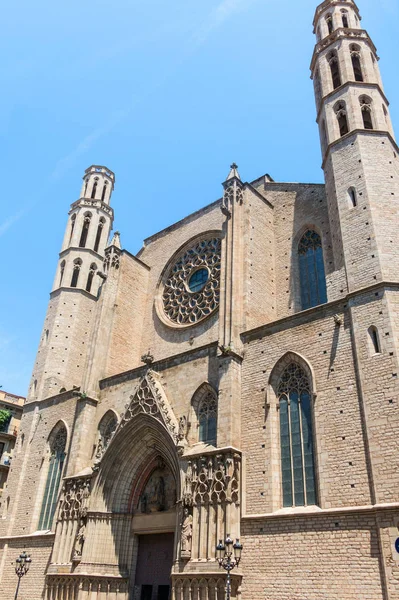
22 564
224 553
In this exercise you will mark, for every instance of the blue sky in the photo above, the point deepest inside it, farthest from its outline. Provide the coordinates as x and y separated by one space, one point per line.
167 95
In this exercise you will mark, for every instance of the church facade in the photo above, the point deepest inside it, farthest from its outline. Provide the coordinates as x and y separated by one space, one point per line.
239 376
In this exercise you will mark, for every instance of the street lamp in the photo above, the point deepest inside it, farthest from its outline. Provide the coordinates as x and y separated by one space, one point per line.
224 554
22 564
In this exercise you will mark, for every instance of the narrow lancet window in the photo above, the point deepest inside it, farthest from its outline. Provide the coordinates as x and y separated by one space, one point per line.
352 197
94 190
345 22
296 438
334 66
340 111
62 271
365 104
99 233
356 64
93 269
375 340
57 447
73 220
311 270
75 273
330 26
85 230
104 191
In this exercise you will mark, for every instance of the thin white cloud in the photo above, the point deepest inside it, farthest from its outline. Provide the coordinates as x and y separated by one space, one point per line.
65 163
220 14
217 16
10 221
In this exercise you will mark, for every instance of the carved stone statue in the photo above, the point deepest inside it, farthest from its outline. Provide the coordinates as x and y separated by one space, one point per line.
79 540
182 428
186 534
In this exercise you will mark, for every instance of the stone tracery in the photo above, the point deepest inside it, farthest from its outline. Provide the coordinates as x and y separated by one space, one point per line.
182 306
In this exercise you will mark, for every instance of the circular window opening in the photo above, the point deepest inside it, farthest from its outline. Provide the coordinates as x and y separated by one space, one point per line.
198 280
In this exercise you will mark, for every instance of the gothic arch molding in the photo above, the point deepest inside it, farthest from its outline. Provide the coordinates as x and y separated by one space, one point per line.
279 368
139 443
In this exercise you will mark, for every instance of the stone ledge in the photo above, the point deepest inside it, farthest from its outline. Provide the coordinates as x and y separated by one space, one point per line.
316 511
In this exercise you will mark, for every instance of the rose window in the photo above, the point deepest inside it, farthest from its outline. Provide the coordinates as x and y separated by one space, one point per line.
192 286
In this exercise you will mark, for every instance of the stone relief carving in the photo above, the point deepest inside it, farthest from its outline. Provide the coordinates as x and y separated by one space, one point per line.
182 305
149 399
112 258
212 479
74 498
159 494
105 435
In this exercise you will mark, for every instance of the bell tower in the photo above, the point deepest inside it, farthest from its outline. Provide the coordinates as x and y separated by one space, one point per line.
360 155
361 168
62 357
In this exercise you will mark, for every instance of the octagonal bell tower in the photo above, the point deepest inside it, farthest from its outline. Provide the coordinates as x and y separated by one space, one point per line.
358 146
62 356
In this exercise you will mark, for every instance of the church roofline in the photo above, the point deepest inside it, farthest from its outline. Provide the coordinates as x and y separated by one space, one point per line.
158 365
178 224
265 178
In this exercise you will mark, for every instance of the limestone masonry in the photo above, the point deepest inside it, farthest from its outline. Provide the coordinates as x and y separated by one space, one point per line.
239 376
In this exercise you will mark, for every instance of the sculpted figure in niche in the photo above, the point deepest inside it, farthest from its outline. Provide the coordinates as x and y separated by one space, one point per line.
79 541
159 494
186 534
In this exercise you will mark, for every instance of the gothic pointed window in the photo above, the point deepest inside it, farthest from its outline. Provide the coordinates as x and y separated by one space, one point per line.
99 233
205 407
104 191
345 21
296 438
73 221
334 67
85 230
330 25
76 272
62 271
311 270
356 64
207 416
106 430
92 271
94 190
340 111
365 104
57 448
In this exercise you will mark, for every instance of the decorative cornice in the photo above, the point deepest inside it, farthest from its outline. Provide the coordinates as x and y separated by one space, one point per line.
92 203
316 312
338 35
342 88
324 5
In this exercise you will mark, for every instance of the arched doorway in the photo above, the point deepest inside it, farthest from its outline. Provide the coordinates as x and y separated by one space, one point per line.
133 514
153 504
